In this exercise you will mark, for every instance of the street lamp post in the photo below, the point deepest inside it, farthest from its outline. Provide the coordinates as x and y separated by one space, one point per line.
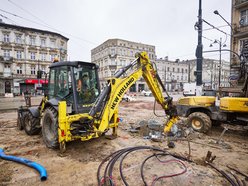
220 45
220 49
217 13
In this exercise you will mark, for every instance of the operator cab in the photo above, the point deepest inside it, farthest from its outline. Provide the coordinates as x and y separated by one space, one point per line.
77 83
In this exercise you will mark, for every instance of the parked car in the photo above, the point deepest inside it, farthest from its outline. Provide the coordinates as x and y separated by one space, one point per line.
127 98
146 93
189 89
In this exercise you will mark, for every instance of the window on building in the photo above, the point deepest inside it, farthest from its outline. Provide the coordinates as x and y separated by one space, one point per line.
32 55
52 43
18 39
173 69
32 70
177 77
178 69
112 51
181 77
43 57
131 53
19 69
242 43
182 70
43 68
32 40
62 43
6 66
244 17
43 42
6 54
186 71
53 57
19 54
6 38
168 69
7 70
113 62
112 72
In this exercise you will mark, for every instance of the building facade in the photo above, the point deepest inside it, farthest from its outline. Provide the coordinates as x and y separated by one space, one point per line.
239 34
172 73
24 51
211 72
114 54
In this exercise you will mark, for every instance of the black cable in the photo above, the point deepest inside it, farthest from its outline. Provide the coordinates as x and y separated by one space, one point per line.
101 164
107 178
115 156
236 178
223 174
154 110
134 149
165 176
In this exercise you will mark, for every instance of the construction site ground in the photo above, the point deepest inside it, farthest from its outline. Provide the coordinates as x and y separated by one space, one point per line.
79 164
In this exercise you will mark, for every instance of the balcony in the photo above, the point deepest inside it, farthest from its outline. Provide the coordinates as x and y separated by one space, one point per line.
240 3
113 67
241 31
6 59
6 44
112 55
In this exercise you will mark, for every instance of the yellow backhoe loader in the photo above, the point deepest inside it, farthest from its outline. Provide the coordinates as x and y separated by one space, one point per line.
75 108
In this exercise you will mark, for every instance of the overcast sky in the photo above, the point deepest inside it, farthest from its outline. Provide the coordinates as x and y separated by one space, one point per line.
167 24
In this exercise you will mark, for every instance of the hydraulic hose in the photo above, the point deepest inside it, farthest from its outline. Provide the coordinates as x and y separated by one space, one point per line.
38 167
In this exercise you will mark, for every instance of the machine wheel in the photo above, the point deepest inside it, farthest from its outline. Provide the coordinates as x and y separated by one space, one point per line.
200 122
31 124
19 121
50 128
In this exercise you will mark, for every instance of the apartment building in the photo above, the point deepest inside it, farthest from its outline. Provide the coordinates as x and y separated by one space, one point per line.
113 54
211 70
24 51
172 73
239 34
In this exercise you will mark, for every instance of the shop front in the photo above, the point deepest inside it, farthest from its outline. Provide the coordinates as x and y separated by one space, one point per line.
31 86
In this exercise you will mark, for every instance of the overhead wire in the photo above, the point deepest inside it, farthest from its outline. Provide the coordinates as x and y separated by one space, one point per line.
49 26
214 27
206 29
7 18
207 39
73 38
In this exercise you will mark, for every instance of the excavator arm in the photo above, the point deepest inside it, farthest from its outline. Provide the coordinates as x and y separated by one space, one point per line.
113 93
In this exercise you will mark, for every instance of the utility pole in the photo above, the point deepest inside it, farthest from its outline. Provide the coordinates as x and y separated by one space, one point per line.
199 48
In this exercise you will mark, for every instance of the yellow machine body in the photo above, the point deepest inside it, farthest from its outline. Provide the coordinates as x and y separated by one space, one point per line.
234 104
205 101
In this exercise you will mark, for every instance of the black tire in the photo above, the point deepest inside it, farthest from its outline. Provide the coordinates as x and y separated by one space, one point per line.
50 128
19 121
200 122
31 124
